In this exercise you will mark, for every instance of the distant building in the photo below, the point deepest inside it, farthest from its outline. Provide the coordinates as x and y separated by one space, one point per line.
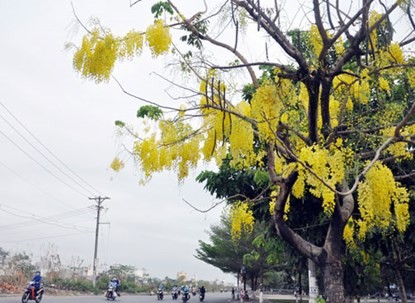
181 276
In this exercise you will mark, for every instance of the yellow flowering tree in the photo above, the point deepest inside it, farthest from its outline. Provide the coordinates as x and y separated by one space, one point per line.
331 120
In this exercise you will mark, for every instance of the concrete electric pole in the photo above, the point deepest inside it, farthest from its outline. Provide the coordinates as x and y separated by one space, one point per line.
99 201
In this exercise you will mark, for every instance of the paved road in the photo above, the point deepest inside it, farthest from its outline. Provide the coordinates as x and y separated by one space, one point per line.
210 298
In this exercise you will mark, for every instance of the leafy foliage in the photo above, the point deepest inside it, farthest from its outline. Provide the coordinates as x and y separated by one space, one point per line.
152 112
160 7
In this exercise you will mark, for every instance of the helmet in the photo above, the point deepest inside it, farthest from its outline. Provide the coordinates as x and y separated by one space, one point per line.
113 279
37 273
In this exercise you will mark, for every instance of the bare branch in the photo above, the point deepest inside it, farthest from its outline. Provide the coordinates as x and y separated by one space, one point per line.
204 210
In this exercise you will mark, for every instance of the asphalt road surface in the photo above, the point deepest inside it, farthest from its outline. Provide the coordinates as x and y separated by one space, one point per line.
210 298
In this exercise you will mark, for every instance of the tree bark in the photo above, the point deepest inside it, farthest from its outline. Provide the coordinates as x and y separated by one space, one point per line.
333 281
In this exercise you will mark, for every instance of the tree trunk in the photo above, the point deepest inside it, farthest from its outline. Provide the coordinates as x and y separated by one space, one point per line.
333 282
398 259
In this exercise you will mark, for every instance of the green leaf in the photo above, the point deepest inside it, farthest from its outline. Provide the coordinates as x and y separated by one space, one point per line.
160 7
150 111
119 123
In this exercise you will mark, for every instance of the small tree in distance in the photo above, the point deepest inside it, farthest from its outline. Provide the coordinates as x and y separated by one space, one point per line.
329 116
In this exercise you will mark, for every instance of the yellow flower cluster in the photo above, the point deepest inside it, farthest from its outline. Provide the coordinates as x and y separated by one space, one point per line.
176 149
329 165
242 137
394 54
316 40
242 220
158 37
343 85
147 155
383 84
399 149
96 57
117 164
376 195
373 18
361 89
411 77
209 145
266 108
339 46
132 46
348 233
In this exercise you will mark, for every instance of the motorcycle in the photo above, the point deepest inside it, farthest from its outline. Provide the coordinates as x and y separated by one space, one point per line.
201 297
160 294
32 294
186 296
110 293
174 294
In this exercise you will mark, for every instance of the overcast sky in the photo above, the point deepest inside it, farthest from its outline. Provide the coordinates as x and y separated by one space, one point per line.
54 124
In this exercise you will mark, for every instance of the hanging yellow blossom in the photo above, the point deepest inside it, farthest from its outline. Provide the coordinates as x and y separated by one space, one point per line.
411 77
401 208
146 152
334 111
398 149
273 196
158 37
361 89
96 57
348 233
209 145
117 164
286 208
241 138
328 165
299 185
373 18
242 220
316 40
339 46
266 108
384 84
132 45
377 194
395 54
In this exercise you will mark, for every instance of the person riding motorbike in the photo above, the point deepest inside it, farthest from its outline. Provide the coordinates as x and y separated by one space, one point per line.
37 280
186 294
115 285
174 293
34 291
202 292
160 293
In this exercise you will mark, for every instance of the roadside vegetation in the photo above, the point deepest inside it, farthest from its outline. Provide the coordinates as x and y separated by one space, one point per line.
16 269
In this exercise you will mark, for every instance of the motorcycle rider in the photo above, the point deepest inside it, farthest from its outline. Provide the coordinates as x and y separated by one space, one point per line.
115 284
174 293
186 290
202 292
37 280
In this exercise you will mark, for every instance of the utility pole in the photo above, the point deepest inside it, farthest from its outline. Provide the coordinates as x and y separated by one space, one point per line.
99 201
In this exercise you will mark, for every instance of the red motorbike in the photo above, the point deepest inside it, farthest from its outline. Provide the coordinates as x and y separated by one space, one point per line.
31 293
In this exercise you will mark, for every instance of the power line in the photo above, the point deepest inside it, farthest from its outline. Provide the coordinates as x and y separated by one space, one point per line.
44 156
35 186
49 151
48 237
42 220
42 166
31 222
